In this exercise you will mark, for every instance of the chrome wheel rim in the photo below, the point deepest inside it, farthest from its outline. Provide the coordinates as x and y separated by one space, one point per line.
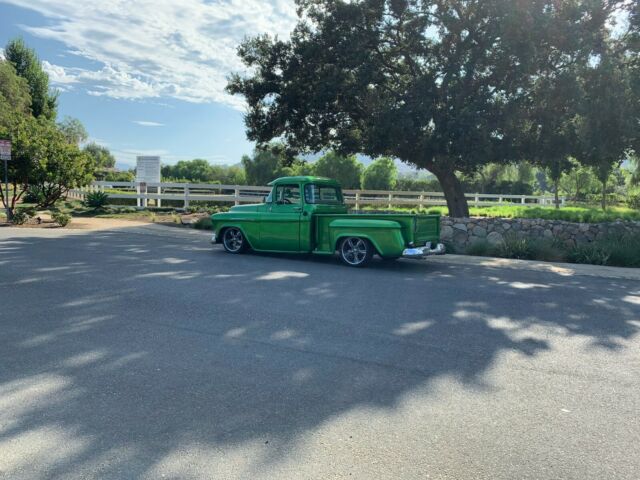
354 250
233 239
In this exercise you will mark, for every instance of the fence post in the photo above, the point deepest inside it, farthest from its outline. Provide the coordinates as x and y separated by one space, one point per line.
236 193
138 199
390 199
357 200
523 200
421 199
158 200
186 196
500 200
476 200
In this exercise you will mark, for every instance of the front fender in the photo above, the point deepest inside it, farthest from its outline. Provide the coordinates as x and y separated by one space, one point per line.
385 235
248 226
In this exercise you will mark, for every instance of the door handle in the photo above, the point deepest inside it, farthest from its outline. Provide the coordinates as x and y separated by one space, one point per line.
297 209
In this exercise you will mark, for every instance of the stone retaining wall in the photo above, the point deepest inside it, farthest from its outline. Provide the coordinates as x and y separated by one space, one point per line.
462 232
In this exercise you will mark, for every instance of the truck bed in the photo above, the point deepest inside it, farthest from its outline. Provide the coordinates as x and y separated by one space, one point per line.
416 229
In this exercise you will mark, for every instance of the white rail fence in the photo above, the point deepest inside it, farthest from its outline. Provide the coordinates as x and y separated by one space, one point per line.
186 193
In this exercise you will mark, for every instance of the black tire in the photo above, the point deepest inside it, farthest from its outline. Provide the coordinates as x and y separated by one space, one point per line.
233 240
355 251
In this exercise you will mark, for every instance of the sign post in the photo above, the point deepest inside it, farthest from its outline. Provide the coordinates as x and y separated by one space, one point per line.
5 155
147 171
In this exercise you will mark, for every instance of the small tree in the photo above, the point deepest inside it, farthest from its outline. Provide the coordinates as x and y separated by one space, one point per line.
605 123
345 169
382 174
73 130
266 164
28 66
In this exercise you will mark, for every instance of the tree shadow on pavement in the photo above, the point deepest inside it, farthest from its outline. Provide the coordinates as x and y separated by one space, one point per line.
125 354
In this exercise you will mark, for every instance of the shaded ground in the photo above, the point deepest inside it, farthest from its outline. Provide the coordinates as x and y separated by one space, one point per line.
138 355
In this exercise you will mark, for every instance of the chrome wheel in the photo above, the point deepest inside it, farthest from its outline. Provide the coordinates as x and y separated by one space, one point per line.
355 251
233 240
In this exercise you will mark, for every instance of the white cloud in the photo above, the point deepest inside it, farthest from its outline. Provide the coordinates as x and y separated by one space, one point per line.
156 48
146 123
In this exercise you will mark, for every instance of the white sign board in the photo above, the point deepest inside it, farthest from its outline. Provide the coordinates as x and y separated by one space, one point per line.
5 150
148 169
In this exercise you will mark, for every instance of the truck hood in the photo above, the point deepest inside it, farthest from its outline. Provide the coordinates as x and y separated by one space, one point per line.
246 208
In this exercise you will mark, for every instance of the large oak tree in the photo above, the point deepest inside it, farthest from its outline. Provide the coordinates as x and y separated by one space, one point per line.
438 84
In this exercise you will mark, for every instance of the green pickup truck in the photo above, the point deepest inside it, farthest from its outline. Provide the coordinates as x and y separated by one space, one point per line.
308 215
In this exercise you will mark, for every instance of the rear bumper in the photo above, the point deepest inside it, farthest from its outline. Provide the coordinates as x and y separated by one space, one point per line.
422 252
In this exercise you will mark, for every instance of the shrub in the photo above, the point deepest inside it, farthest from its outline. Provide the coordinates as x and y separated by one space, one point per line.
33 195
61 218
480 248
96 199
203 223
594 253
516 247
20 217
634 201
548 250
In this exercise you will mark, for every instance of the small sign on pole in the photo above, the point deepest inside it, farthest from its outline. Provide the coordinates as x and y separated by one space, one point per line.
5 155
5 150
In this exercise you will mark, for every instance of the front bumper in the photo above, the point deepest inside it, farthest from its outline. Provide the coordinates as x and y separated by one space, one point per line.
213 238
422 252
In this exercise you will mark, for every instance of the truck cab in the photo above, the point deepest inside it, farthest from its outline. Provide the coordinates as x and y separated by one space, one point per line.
308 215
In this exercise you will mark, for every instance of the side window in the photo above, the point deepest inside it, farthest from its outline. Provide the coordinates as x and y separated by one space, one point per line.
288 194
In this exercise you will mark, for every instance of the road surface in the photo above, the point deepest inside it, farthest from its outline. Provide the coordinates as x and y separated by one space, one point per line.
147 354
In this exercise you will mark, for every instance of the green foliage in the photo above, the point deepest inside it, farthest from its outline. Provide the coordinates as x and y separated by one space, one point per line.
99 156
96 200
27 66
201 171
517 247
203 223
33 195
61 218
266 164
126 176
14 93
381 174
633 200
20 217
73 130
53 164
481 248
345 169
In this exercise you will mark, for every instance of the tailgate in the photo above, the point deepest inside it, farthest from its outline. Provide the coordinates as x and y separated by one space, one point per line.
427 229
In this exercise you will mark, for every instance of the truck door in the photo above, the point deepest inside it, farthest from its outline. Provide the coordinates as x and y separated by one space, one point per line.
280 225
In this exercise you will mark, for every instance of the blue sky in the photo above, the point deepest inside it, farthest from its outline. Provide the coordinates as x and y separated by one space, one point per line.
148 76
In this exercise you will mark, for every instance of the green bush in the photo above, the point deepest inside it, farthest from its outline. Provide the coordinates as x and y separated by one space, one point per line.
516 247
20 217
595 253
61 218
33 196
96 200
480 248
203 223
634 201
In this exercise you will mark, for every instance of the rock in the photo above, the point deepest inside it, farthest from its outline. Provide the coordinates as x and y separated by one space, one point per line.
547 233
460 226
480 232
495 238
506 226
446 232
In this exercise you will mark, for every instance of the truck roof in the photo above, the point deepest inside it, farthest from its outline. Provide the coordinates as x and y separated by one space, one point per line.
304 179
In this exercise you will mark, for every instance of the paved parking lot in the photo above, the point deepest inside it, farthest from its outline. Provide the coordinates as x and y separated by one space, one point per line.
148 353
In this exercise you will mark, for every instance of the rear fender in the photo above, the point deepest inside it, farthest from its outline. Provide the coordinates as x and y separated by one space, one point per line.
385 235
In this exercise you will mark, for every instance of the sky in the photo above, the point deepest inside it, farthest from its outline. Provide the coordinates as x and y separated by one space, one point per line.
147 77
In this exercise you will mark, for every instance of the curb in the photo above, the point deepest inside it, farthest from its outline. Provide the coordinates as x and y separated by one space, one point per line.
562 269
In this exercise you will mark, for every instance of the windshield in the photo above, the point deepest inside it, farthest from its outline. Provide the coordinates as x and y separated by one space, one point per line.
322 194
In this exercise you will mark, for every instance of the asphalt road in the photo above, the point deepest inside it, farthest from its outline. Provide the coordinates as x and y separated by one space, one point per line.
129 355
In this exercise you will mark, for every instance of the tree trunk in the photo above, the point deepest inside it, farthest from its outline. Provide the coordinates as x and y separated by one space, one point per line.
557 193
453 193
604 196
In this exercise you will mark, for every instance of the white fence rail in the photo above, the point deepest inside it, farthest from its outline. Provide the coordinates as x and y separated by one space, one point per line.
186 193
